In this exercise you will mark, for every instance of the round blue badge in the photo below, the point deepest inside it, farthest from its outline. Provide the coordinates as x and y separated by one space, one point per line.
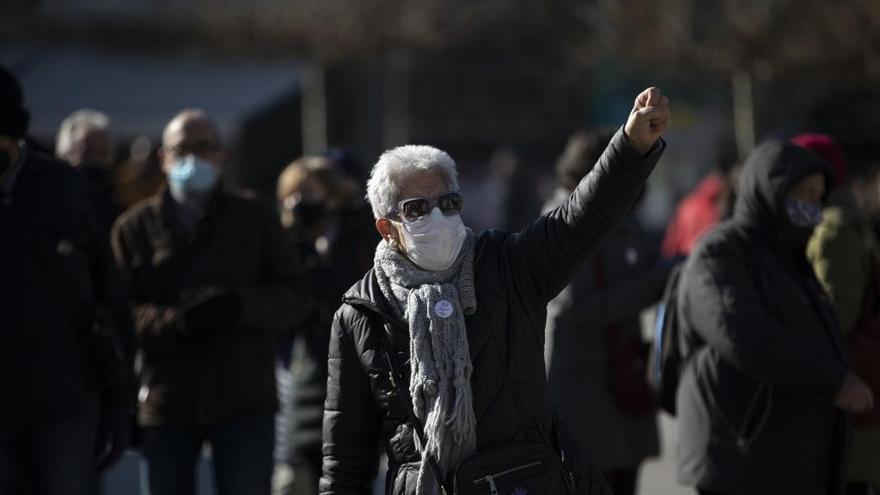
443 309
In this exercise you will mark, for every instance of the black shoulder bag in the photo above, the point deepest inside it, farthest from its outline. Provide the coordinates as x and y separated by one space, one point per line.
525 467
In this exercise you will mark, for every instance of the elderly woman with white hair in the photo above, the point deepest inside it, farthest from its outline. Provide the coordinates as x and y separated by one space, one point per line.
437 353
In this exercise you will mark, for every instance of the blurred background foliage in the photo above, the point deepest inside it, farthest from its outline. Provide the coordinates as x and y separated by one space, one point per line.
470 76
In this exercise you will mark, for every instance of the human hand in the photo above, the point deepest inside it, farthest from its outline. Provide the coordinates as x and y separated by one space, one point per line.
648 120
854 395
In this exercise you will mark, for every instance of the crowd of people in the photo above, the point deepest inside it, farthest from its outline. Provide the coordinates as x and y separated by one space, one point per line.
302 339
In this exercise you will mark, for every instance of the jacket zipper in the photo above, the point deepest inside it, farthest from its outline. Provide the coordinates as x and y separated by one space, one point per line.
493 490
743 440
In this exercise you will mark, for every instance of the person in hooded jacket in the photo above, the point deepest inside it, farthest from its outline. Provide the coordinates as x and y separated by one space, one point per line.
766 386
468 312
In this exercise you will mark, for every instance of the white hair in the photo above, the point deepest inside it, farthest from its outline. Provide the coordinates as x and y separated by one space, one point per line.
383 187
76 127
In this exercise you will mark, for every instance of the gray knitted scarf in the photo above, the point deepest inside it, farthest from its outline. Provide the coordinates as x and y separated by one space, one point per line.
434 305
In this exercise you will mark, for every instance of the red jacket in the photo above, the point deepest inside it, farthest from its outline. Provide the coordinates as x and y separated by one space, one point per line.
696 214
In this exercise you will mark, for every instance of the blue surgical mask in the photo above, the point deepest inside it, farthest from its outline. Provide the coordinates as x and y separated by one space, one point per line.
802 213
192 175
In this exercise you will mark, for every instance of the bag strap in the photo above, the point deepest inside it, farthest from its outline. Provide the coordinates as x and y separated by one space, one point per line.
395 373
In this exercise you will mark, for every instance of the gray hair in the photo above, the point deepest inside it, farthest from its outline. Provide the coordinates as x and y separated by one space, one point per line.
76 127
383 187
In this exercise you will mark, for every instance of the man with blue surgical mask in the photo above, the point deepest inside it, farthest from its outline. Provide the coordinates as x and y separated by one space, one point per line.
213 285
192 159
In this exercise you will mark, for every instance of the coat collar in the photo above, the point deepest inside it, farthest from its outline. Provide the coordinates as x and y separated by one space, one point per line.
367 296
207 222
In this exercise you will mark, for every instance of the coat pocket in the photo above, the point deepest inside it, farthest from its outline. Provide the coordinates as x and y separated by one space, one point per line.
514 479
519 468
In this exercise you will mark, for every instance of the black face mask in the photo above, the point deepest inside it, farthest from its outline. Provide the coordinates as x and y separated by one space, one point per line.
310 214
5 161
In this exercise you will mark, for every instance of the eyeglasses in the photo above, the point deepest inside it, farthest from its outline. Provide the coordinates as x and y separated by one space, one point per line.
195 148
415 208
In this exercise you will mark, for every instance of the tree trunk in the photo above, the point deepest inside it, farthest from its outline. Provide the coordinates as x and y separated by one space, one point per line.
743 111
395 95
314 109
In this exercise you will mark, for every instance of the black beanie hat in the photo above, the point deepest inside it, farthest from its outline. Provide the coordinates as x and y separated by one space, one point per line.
13 117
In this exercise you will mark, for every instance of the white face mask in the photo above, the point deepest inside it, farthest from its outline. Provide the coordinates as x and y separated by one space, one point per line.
434 241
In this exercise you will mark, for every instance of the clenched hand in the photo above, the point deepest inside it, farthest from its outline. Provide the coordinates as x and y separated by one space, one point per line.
648 120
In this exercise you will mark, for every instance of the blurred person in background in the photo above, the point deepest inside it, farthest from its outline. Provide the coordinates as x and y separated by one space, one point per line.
468 312
504 197
84 141
350 166
139 176
593 335
766 386
709 203
322 210
66 341
213 284
844 253
842 246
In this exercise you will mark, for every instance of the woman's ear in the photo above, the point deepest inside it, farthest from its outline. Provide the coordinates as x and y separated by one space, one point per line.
387 231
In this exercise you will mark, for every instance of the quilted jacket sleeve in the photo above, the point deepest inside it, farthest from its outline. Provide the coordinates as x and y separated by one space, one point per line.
545 255
352 422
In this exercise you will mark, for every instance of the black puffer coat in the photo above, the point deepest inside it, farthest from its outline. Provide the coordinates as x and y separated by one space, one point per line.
756 398
515 276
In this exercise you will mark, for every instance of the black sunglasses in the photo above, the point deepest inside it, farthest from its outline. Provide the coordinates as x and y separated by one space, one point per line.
415 208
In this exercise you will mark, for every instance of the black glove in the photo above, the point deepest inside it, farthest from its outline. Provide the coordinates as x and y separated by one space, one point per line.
208 311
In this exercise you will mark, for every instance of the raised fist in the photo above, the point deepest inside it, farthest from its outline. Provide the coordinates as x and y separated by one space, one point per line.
648 120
